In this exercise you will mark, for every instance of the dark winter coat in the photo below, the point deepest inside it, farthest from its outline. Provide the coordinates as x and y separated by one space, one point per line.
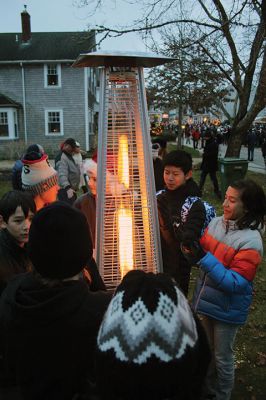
49 335
170 203
210 156
13 258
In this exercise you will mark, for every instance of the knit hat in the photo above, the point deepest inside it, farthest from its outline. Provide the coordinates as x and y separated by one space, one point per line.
35 147
59 241
71 142
37 174
147 345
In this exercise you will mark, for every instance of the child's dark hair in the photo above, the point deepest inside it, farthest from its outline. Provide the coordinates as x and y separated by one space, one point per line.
13 199
180 159
254 201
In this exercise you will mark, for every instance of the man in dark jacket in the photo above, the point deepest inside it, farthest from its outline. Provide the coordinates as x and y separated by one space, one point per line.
173 229
49 319
209 163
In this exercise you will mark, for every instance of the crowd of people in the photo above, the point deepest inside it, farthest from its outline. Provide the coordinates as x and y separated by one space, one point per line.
63 336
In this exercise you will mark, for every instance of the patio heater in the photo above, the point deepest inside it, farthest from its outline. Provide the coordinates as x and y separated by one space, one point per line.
127 231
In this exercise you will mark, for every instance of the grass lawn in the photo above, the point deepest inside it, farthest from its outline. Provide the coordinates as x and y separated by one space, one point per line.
250 381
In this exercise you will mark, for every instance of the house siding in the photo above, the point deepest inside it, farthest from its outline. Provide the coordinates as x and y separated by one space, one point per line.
69 98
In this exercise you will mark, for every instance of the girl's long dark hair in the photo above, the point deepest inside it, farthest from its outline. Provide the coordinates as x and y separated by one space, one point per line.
254 201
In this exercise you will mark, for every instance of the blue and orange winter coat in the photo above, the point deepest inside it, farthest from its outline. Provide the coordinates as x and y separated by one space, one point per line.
224 287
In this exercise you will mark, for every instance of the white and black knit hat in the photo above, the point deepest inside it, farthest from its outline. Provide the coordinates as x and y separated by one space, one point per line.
37 174
148 342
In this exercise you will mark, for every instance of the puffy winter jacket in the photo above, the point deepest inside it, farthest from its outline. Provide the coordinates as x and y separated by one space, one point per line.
224 287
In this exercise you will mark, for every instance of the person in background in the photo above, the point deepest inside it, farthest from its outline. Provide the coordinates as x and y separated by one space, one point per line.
157 167
150 345
16 212
39 178
68 172
179 186
227 255
251 142
163 147
86 203
195 136
17 168
263 145
209 163
49 318
77 155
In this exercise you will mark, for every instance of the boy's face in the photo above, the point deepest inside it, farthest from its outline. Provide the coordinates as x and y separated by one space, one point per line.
18 225
232 205
174 177
92 182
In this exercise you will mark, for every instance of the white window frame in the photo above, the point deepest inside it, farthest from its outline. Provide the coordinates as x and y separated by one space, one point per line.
12 119
46 117
58 69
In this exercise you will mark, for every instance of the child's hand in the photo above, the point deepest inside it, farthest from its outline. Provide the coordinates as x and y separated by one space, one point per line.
192 251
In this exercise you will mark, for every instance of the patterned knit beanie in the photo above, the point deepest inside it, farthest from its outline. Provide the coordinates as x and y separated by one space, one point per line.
148 343
37 174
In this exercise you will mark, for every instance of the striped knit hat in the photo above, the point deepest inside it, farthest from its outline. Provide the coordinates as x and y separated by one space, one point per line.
37 174
148 342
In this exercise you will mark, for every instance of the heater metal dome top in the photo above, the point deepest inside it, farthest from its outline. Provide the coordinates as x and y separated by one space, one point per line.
121 59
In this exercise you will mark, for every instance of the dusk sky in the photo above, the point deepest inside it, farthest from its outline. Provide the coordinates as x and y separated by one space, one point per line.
62 15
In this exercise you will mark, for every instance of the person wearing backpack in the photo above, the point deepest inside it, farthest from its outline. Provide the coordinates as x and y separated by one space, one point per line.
180 217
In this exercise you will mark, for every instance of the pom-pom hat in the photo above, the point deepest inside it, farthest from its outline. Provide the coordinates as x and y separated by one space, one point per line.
59 241
147 344
37 174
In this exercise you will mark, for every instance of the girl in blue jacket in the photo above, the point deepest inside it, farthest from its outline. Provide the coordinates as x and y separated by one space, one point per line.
228 255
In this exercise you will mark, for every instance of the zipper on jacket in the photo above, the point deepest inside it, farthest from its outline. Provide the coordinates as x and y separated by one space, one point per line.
200 292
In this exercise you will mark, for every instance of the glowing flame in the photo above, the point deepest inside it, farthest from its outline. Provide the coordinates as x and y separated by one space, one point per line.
123 161
125 240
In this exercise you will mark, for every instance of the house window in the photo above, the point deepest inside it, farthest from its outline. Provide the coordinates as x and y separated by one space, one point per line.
8 123
54 122
52 75
4 131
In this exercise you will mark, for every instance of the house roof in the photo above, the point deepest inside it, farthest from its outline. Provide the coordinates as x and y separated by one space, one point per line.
7 102
45 46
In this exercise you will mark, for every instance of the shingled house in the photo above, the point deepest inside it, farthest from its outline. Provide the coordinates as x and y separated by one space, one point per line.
42 98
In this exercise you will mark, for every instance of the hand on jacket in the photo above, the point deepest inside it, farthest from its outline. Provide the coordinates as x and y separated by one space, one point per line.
70 193
192 251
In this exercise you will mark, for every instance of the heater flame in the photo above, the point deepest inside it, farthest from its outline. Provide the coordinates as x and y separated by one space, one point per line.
123 161
125 240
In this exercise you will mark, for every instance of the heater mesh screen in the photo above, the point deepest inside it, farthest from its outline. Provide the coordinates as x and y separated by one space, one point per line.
127 229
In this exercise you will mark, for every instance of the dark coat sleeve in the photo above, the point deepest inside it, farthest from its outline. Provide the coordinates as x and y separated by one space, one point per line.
191 229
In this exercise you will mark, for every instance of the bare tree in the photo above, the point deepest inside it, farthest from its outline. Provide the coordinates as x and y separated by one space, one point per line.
230 33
